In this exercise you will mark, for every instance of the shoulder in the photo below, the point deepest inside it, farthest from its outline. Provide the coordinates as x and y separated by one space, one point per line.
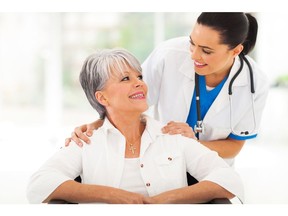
153 126
261 78
189 147
174 50
255 66
176 141
175 44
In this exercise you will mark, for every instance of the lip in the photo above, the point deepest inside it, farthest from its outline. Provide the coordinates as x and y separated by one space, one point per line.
199 65
137 96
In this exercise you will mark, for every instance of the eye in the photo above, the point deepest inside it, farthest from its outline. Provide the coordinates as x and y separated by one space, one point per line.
191 42
140 77
126 78
207 52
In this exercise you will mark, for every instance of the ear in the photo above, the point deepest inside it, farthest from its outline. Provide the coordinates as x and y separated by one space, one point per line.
99 95
237 50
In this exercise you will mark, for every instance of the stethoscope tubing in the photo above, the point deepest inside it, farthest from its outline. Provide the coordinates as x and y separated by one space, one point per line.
199 127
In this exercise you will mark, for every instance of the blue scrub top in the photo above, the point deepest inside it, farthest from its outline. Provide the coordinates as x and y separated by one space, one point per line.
206 99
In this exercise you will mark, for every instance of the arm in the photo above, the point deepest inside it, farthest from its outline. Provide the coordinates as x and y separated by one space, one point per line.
206 165
79 135
201 192
75 192
226 148
55 181
216 178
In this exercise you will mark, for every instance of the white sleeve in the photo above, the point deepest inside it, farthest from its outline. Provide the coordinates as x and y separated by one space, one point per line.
204 164
152 70
64 165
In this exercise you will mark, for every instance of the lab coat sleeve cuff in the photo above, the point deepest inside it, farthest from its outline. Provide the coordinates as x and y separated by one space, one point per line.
236 137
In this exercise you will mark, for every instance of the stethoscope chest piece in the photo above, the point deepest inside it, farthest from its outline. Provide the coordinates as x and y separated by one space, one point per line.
199 127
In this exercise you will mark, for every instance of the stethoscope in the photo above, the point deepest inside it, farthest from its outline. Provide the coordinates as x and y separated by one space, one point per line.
199 127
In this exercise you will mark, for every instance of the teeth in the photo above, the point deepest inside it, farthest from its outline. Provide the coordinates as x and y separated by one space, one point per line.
197 63
137 95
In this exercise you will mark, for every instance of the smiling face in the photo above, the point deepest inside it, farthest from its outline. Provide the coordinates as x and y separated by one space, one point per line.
124 93
209 55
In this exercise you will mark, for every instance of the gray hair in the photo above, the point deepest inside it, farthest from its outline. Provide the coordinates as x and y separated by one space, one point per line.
99 67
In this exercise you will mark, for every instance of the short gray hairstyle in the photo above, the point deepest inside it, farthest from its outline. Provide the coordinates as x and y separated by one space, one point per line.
99 67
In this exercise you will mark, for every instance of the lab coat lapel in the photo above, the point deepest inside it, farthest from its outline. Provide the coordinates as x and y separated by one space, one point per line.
222 100
187 70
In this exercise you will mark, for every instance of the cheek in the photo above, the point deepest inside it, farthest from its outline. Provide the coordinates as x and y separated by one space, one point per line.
145 87
209 59
114 96
214 61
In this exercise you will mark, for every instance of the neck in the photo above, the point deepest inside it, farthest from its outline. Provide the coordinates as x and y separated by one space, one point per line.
131 127
214 79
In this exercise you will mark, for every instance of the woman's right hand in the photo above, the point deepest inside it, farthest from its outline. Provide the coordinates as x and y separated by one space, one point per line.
79 135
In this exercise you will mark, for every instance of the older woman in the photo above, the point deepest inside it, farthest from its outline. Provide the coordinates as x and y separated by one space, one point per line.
129 159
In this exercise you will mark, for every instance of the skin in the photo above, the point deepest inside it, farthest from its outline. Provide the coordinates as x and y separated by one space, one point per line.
124 98
211 59
75 192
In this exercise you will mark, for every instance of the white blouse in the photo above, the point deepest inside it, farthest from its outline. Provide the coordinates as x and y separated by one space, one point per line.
131 178
163 163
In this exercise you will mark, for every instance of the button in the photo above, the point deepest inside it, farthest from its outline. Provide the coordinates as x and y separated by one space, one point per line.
141 165
148 184
169 158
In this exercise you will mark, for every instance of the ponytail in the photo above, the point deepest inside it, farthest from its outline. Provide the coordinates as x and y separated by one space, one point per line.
251 38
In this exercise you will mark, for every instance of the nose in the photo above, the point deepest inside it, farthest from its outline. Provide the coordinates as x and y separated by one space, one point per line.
138 82
194 52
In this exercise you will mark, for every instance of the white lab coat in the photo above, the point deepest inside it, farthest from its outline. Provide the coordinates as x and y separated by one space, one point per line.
169 74
164 160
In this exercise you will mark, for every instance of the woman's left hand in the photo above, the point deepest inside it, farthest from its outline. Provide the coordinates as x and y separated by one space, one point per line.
179 128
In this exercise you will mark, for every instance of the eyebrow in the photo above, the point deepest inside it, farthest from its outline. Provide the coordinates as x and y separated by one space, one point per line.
205 47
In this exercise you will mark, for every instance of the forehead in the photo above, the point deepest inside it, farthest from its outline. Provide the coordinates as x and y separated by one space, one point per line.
119 67
118 70
205 35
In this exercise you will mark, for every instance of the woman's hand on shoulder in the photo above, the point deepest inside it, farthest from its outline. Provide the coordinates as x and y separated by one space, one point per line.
179 128
83 132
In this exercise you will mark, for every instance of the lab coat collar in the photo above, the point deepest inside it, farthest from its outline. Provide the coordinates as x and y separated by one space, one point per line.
242 78
187 68
222 99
